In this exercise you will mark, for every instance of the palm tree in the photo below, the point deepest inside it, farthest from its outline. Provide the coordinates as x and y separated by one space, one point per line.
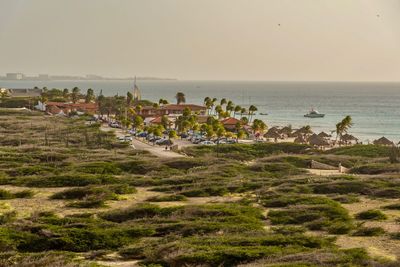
213 102
242 111
343 127
223 101
230 107
89 95
129 99
252 109
237 109
180 98
66 93
75 94
209 105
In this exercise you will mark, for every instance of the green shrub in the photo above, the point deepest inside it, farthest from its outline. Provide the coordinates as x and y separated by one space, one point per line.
89 203
287 200
371 151
346 199
343 187
167 198
66 180
371 215
329 216
4 194
392 207
340 228
30 170
99 168
24 194
376 168
84 192
369 231
7 217
138 211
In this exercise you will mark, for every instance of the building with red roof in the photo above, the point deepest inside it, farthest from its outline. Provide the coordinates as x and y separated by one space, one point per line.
230 123
55 108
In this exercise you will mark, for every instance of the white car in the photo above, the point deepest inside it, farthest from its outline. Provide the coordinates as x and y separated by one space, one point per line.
128 138
207 143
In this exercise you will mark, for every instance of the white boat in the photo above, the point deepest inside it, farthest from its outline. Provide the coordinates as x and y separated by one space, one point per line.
314 114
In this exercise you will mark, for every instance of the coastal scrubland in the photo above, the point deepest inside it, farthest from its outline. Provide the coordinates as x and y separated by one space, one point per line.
71 195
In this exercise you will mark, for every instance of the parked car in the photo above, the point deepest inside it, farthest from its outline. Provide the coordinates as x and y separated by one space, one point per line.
207 143
142 134
164 142
154 139
198 141
128 138
132 132
221 141
114 125
184 135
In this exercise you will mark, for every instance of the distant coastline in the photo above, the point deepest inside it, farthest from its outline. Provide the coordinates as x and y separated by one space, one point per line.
84 79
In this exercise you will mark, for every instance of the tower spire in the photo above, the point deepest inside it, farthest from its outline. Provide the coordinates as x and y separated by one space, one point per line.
136 91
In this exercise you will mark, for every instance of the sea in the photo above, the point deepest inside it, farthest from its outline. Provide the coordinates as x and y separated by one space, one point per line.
374 107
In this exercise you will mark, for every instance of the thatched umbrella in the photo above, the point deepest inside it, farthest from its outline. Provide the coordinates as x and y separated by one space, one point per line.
383 141
303 131
349 137
286 130
315 140
324 135
300 139
272 135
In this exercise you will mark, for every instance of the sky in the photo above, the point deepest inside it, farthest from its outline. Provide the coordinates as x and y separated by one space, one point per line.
278 40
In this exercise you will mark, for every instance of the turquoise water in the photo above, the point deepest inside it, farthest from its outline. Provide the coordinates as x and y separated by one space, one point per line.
375 107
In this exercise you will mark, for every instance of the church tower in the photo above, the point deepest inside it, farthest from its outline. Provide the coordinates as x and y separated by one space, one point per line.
136 92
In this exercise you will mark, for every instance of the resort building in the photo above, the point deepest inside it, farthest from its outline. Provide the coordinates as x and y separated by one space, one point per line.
59 108
230 123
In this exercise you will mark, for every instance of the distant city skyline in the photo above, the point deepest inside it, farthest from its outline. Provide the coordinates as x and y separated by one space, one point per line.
265 40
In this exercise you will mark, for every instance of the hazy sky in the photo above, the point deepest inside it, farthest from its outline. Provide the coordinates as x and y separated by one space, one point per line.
203 39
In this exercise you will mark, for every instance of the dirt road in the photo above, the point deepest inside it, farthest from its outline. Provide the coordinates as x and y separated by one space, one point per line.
156 150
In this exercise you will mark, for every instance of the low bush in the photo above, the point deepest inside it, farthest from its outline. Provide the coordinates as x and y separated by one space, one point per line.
99 168
329 216
371 215
392 207
369 231
346 199
167 198
376 168
4 194
136 212
62 180
371 151
7 217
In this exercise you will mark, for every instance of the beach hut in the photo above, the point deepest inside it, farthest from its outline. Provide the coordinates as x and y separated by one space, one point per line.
306 130
300 140
324 135
317 141
348 138
383 141
272 135
287 130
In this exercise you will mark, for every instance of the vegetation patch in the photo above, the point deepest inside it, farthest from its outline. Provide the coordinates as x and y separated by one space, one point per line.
375 215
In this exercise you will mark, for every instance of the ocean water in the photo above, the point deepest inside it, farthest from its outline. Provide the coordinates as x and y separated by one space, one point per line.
374 107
